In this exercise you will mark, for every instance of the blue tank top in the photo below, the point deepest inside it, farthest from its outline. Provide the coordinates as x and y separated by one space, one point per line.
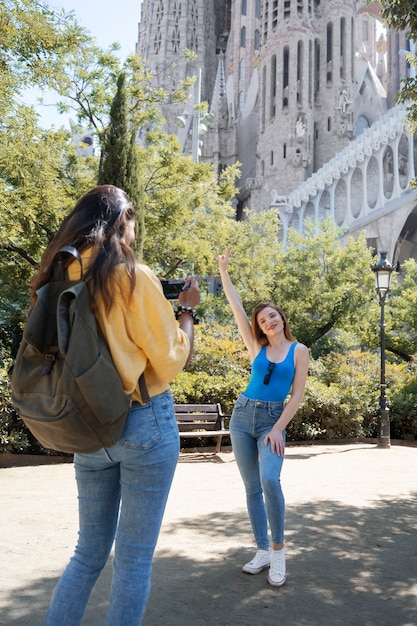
280 381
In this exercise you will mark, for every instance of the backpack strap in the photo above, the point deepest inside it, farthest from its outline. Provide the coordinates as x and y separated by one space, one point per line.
60 267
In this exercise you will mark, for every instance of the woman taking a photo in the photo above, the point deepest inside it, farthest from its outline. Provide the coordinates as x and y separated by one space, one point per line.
122 490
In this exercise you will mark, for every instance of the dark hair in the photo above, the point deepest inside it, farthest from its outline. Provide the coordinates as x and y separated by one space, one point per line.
98 221
256 329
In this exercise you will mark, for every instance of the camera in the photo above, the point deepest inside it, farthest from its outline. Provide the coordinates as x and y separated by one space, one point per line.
172 288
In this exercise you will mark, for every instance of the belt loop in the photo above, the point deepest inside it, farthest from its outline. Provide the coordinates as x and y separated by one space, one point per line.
244 399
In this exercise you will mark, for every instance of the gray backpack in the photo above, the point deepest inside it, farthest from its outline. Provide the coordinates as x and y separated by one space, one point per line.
64 383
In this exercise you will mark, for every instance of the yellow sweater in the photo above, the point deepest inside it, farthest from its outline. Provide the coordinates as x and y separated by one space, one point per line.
141 332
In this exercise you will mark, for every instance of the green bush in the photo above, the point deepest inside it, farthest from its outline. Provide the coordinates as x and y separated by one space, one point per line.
14 436
219 370
341 398
403 400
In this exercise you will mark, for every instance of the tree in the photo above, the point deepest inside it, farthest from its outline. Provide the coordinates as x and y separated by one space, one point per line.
402 15
324 288
119 163
401 313
114 154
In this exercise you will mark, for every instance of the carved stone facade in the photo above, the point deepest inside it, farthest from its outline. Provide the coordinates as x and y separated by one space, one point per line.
292 84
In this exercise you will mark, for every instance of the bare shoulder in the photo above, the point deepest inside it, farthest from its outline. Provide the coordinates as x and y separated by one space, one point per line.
302 353
301 348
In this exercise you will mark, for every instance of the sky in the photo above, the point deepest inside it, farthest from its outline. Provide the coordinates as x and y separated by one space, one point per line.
108 21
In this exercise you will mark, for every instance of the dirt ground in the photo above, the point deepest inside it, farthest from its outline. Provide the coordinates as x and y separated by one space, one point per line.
351 542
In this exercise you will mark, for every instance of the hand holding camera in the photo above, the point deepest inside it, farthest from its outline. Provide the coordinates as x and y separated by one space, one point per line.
190 294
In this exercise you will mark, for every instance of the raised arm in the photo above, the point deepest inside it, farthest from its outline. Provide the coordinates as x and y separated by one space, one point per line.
239 312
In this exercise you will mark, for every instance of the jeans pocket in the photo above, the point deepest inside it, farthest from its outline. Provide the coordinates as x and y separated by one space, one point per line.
142 430
241 402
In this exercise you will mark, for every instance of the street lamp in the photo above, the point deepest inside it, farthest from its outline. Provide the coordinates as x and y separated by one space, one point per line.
382 271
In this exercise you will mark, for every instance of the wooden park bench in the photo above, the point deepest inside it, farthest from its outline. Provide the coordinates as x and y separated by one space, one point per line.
201 420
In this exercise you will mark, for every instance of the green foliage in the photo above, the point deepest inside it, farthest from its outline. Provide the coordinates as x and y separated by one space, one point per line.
114 154
403 399
332 282
401 15
341 395
401 312
13 435
219 370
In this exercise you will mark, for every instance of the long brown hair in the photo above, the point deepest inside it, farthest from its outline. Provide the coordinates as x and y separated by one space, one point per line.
98 221
256 329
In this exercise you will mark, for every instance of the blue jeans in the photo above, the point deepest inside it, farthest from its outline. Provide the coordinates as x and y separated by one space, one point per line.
260 469
122 493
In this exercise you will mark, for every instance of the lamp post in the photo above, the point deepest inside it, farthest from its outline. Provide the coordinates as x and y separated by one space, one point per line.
382 271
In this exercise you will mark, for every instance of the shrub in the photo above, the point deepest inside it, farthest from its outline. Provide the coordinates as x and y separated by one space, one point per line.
403 400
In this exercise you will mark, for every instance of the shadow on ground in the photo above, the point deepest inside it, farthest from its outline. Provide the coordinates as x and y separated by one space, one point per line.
346 565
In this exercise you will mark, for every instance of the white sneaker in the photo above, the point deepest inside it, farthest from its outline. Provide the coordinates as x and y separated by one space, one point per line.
277 574
260 561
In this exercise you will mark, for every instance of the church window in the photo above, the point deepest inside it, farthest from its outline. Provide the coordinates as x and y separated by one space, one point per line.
310 73
243 37
176 39
316 70
285 76
157 41
258 9
300 76
263 98
300 7
287 9
257 39
242 69
273 85
365 33
241 101
343 48
266 17
274 14
329 53
160 12
177 9
243 7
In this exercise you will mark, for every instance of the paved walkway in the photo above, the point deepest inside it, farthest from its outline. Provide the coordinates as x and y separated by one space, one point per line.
351 543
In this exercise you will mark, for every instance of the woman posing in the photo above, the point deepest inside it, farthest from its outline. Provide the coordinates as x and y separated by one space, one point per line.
122 490
259 419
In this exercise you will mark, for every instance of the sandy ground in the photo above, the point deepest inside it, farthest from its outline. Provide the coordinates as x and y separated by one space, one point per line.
351 542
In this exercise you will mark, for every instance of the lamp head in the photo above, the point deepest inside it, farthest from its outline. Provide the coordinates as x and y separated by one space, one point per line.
382 270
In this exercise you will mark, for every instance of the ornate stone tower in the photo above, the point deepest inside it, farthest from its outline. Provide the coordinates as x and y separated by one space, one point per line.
306 79
290 82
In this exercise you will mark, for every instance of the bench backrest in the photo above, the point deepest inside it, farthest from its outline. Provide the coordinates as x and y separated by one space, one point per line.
194 416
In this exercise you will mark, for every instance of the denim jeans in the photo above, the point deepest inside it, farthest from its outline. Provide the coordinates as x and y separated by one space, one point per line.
260 469
122 493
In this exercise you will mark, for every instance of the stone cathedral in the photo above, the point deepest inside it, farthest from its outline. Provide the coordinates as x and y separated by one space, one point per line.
303 95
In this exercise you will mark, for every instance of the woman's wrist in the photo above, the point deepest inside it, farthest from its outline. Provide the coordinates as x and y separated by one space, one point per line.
181 309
